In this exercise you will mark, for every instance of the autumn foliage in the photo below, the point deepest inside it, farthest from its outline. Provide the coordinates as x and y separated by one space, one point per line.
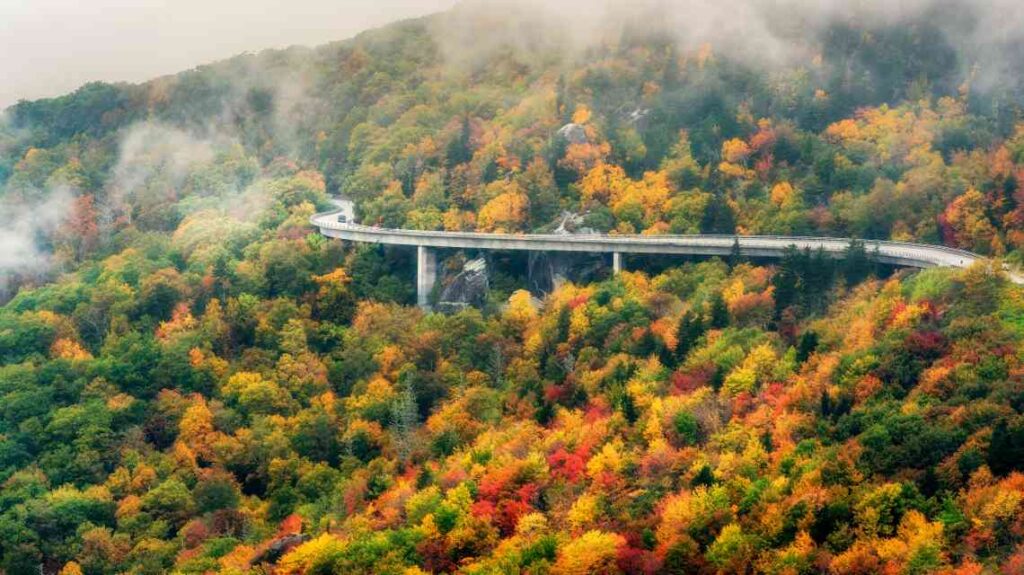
194 381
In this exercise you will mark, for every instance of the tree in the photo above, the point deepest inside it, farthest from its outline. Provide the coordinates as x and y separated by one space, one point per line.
735 254
404 418
807 345
732 550
685 211
160 293
686 427
460 148
214 493
305 186
719 217
389 209
82 230
857 264
335 301
170 500
968 226
538 183
719 312
602 183
682 169
506 212
690 329
592 552
1006 450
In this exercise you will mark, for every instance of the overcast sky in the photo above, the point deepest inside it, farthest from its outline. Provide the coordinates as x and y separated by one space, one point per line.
50 47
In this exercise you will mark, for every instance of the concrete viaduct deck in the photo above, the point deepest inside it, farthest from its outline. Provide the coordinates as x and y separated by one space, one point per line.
904 254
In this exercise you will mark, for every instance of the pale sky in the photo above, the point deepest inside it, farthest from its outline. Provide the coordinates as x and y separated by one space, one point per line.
51 47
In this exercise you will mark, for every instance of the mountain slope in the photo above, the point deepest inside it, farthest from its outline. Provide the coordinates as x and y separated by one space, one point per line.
193 381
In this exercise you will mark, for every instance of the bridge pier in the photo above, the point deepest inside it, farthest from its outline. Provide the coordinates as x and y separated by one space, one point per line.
902 254
426 275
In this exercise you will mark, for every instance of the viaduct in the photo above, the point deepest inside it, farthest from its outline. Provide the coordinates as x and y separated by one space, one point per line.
903 254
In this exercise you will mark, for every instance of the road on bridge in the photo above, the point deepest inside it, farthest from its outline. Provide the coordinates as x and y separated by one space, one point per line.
906 254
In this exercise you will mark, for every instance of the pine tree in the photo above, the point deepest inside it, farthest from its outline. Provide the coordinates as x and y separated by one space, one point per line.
735 254
404 418
806 346
459 149
786 281
858 265
718 218
691 328
719 312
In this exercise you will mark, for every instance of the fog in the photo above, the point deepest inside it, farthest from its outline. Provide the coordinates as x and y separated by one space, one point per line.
25 225
988 34
51 47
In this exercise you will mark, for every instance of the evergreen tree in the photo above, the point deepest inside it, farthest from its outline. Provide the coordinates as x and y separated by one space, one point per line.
735 254
857 264
459 149
1006 451
690 329
404 418
786 281
562 329
719 312
806 346
819 273
718 218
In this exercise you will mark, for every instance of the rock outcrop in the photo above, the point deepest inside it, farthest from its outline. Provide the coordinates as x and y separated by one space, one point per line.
572 223
573 133
278 547
466 288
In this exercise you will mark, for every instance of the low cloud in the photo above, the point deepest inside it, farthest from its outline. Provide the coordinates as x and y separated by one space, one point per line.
152 150
987 35
161 164
24 238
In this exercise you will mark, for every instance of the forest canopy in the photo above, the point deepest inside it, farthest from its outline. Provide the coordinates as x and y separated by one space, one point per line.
194 381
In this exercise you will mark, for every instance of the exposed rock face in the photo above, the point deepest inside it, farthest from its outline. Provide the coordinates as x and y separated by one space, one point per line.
573 133
467 288
546 271
279 547
638 117
572 223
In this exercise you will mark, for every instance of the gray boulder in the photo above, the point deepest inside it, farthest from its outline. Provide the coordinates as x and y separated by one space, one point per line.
573 133
466 288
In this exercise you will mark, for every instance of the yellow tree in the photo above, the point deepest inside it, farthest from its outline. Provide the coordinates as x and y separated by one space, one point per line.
196 431
71 568
602 182
506 212
735 153
334 300
592 552
646 198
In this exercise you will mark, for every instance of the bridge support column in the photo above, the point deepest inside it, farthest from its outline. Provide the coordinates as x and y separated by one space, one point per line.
426 275
616 262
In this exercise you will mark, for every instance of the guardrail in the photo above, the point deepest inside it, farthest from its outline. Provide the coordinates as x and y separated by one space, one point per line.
909 254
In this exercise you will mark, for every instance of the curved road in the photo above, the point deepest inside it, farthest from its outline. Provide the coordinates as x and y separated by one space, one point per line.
889 252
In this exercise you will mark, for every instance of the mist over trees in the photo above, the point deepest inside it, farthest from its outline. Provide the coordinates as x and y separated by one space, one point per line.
194 381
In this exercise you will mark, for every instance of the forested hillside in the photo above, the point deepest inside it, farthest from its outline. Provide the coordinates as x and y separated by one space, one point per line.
194 381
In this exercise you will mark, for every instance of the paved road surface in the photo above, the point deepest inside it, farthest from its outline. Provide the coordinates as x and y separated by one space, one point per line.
889 252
